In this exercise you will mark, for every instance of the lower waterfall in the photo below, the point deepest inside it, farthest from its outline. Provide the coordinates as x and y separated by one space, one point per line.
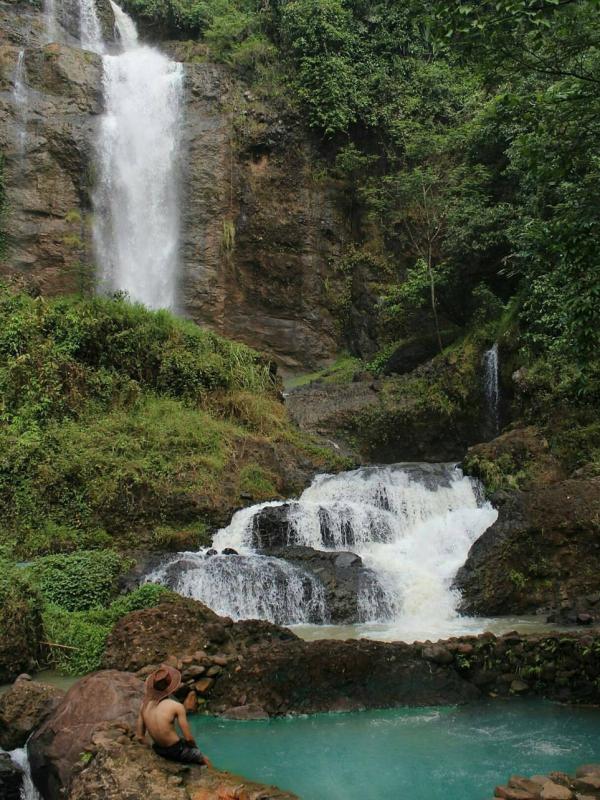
412 525
20 759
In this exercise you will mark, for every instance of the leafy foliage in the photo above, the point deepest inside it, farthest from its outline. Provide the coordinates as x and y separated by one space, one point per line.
79 581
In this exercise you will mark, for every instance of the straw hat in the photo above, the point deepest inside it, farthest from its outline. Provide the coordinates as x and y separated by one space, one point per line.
161 683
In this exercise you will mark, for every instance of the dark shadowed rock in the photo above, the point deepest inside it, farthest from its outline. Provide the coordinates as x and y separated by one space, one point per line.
271 528
24 707
541 553
345 579
11 779
245 713
408 355
56 747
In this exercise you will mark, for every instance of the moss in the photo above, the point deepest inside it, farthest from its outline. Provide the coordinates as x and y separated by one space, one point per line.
342 370
20 623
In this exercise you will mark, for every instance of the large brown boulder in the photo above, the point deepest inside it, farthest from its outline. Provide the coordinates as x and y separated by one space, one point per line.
180 626
24 707
56 747
541 553
115 767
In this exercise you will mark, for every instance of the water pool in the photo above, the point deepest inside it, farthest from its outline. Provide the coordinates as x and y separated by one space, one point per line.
421 754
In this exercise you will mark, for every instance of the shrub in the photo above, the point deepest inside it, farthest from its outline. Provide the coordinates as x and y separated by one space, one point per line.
80 581
20 622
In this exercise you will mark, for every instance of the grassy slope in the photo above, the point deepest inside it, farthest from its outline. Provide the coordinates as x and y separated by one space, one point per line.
124 427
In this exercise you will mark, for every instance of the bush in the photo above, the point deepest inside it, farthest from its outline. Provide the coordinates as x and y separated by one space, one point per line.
20 622
80 581
78 638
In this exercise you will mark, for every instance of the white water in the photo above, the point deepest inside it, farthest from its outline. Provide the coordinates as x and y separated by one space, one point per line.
412 525
50 20
90 33
21 101
136 229
247 587
491 382
28 790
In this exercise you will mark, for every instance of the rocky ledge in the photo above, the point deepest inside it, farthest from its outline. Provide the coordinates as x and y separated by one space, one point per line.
584 785
231 665
86 750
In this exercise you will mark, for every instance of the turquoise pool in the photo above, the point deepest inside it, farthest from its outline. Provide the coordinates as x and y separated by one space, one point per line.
421 754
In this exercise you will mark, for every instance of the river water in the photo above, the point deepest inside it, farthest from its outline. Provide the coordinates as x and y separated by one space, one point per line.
421 754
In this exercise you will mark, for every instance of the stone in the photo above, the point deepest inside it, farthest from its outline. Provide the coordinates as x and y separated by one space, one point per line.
587 783
587 769
11 779
204 685
211 672
22 708
247 712
438 654
518 686
525 784
554 791
508 793
55 747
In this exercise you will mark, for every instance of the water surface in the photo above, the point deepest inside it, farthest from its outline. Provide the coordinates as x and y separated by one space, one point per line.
421 754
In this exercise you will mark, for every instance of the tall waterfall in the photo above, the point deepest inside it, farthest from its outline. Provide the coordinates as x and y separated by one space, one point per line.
20 100
136 228
90 33
491 383
412 524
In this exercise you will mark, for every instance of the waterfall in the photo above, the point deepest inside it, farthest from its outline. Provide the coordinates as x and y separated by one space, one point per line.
247 587
20 759
491 384
20 100
90 33
136 229
50 20
412 524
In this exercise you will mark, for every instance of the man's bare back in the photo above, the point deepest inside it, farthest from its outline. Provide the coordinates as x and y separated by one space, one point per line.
159 720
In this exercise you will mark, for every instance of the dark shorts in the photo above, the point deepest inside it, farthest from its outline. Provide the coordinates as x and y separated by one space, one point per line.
180 751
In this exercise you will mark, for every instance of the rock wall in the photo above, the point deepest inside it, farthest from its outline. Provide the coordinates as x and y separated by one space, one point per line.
259 229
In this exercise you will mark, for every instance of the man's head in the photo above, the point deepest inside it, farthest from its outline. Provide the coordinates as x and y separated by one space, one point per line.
161 683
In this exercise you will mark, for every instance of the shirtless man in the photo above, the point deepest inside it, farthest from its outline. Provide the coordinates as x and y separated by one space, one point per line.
158 715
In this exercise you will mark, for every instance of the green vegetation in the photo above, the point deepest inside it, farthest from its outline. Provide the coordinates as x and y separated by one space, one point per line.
21 621
129 428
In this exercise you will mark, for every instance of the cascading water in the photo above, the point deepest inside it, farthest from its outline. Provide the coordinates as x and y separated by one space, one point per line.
20 759
247 587
90 33
491 383
412 524
20 99
136 229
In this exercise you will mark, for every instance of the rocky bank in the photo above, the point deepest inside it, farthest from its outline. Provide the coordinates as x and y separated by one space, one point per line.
583 785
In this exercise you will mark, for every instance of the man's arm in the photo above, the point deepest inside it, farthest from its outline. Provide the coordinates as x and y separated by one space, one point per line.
183 724
140 729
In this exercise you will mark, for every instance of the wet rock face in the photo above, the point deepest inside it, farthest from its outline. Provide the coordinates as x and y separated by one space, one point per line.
22 708
55 747
259 231
46 140
541 555
11 779
344 577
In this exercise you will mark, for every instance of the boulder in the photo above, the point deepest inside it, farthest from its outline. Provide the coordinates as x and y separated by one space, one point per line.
554 791
114 766
11 778
181 626
245 713
532 557
271 528
412 352
55 748
344 577
24 707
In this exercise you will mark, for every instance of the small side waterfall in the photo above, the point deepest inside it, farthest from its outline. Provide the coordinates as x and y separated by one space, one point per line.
412 525
491 383
20 99
20 759
90 33
50 20
136 229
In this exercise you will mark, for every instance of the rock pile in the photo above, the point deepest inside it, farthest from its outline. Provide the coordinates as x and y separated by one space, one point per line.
22 708
584 785
10 779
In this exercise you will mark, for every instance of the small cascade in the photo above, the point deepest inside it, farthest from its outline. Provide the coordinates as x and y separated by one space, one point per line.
491 383
246 587
20 98
90 32
20 759
136 230
412 525
50 20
